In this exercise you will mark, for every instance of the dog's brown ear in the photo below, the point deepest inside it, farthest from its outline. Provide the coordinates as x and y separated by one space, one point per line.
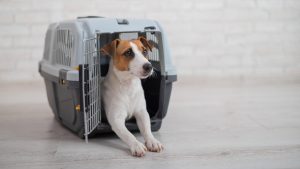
110 49
146 43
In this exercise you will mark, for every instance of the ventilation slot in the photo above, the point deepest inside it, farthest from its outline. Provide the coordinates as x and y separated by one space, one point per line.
47 45
63 47
154 55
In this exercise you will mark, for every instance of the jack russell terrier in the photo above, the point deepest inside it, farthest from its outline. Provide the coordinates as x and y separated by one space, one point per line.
123 95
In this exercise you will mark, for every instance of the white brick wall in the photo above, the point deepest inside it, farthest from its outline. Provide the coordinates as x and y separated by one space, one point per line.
207 37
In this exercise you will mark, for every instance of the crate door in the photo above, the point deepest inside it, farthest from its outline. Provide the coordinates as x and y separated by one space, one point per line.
90 86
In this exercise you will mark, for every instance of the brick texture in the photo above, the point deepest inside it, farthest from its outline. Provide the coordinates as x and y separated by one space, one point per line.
207 37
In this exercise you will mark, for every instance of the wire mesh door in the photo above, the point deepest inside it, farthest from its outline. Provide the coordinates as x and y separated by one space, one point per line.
90 83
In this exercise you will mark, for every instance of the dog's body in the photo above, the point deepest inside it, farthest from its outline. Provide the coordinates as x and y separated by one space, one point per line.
123 94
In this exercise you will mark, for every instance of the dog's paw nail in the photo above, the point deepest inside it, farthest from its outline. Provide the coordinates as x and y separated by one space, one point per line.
138 149
154 145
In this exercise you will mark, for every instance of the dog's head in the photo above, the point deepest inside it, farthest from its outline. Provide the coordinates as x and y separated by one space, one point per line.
130 56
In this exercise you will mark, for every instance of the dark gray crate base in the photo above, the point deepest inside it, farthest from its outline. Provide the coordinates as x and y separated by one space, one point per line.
63 99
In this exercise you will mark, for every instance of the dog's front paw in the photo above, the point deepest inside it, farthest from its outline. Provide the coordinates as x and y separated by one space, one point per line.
138 149
154 145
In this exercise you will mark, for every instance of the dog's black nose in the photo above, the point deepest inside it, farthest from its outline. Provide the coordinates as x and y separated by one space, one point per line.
147 67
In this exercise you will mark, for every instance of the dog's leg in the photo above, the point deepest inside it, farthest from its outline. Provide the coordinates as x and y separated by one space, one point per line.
118 126
143 122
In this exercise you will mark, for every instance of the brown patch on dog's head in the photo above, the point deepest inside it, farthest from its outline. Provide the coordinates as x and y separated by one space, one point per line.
110 49
145 43
122 53
116 49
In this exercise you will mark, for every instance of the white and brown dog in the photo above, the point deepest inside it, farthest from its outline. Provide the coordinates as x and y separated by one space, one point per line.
123 95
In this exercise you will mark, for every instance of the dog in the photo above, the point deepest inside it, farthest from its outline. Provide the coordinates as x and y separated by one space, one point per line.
123 95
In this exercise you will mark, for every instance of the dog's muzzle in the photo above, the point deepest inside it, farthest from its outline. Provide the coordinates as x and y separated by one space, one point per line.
147 67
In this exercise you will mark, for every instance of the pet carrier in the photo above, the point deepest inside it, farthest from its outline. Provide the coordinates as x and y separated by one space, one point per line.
73 69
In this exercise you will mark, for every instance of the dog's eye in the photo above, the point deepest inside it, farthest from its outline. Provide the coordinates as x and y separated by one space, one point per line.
129 53
145 52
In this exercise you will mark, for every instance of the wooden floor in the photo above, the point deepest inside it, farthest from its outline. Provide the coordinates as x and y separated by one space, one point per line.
207 126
